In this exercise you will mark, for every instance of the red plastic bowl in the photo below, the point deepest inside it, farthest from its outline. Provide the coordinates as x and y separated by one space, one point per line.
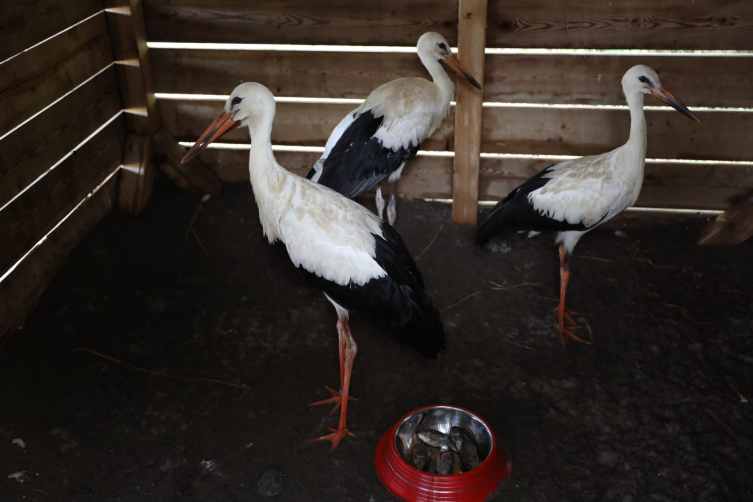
411 485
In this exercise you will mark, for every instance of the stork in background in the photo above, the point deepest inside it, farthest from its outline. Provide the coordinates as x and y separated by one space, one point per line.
358 261
374 141
575 196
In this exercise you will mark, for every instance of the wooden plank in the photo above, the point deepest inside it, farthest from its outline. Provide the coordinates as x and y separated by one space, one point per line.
588 131
468 113
666 185
386 22
33 148
596 79
285 73
137 174
734 226
307 124
30 216
126 21
193 175
36 78
630 24
24 23
21 290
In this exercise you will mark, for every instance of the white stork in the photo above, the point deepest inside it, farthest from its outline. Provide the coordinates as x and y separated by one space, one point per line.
575 196
358 261
374 141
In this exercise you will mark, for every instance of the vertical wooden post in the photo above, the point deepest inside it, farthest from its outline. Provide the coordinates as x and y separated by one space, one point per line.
471 45
734 226
128 34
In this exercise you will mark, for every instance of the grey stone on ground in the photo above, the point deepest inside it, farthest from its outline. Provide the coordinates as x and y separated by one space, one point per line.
271 483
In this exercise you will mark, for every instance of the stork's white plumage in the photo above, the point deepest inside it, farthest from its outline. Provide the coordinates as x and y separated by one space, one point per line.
575 196
374 141
359 262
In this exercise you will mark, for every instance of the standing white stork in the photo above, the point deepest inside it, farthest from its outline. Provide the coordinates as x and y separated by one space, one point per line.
374 141
575 196
358 261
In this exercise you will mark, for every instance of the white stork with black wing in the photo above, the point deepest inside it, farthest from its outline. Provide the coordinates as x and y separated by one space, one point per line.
575 196
374 141
357 260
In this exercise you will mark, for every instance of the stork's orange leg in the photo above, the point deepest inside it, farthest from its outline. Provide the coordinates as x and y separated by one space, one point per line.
336 398
348 355
562 312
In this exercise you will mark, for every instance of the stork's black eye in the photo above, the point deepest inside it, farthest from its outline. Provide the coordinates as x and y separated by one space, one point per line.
442 46
236 100
643 79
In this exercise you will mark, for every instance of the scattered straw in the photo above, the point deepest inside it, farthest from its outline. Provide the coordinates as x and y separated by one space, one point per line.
507 287
160 373
436 234
461 301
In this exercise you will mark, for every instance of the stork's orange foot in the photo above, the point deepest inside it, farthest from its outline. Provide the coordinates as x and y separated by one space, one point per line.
335 437
565 313
336 398
567 332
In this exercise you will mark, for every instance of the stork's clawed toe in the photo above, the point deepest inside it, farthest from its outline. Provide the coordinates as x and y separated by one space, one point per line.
336 398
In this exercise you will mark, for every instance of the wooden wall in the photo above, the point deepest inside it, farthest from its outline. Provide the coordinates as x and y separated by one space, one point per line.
537 79
55 99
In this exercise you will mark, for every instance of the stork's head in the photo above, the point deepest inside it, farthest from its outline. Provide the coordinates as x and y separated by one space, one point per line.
433 46
641 79
249 103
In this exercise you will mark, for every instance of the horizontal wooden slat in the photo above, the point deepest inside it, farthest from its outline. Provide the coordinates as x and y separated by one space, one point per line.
307 124
286 73
36 78
31 215
666 185
517 78
595 79
33 148
588 131
21 290
629 24
24 23
524 130
387 22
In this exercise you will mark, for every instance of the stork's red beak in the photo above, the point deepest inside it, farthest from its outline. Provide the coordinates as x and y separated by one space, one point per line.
664 95
219 126
456 65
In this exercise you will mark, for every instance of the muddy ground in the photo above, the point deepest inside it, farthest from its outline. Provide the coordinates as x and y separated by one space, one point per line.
653 410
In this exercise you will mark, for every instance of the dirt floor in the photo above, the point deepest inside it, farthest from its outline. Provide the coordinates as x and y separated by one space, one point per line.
655 409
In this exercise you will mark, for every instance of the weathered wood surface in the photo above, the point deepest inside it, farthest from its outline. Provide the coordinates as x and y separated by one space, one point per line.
302 124
515 78
386 22
524 130
36 78
134 68
193 175
629 24
30 150
597 79
24 23
30 216
468 112
21 290
137 174
734 226
666 185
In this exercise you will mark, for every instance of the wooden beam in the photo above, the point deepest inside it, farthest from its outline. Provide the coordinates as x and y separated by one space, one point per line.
471 44
137 175
734 226
126 22
21 290
193 175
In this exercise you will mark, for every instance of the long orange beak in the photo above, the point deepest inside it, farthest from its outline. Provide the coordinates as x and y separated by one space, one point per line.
664 95
456 65
219 126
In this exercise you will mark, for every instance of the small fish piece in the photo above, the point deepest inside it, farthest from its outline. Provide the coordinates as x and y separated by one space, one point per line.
456 435
421 456
432 469
468 453
445 462
436 439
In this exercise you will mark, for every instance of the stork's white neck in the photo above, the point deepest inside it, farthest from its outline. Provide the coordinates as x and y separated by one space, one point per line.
637 140
439 76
